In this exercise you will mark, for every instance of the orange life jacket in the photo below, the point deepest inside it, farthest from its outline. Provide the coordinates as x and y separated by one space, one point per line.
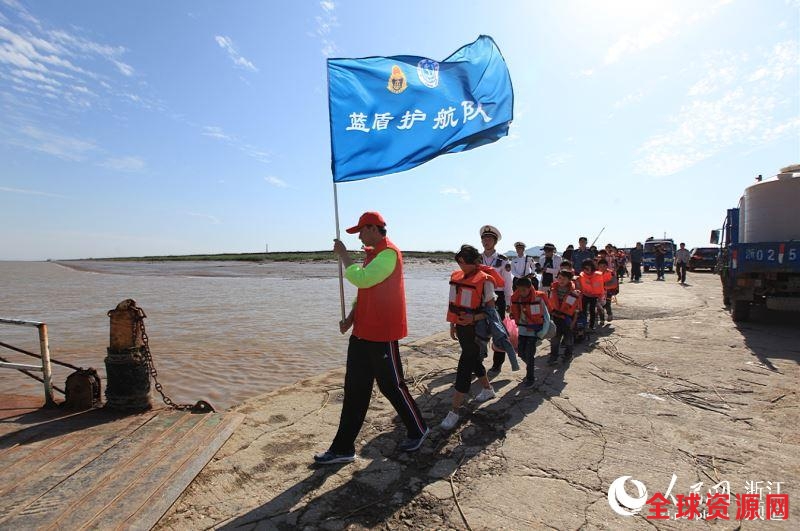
611 282
532 307
381 310
569 305
497 278
591 285
466 293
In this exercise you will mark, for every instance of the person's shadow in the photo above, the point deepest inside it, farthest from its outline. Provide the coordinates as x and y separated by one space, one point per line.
392 479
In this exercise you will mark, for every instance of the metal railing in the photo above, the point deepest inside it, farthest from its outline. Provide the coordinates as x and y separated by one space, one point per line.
44 348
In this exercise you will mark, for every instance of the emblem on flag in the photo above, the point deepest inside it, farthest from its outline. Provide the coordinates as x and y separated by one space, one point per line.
397 81
428 72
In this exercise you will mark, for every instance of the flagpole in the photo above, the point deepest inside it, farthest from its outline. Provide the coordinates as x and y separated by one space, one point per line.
341 275
595 238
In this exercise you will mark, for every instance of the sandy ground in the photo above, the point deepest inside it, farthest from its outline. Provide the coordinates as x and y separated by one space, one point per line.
671 386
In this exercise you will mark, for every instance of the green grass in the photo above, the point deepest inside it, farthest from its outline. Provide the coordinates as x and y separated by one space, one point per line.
296 256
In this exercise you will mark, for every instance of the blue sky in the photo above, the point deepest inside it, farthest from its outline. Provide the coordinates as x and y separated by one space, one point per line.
144 128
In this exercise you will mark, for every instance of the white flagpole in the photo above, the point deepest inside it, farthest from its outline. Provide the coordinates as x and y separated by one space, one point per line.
341 275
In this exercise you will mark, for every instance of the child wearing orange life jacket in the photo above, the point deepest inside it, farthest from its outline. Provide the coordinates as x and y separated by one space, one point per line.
565 303
611 285
529 310
590 284
471 295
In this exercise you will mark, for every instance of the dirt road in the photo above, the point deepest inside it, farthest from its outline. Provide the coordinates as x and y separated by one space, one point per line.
671 386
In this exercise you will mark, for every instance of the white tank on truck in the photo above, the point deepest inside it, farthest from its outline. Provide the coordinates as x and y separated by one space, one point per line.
768 209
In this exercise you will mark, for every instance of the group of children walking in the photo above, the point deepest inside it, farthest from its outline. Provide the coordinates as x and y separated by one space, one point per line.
562 304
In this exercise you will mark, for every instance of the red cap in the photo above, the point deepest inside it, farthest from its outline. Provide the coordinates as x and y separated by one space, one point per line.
367 218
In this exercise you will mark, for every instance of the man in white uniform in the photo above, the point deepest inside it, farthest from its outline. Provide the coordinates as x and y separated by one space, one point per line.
489 237
521 265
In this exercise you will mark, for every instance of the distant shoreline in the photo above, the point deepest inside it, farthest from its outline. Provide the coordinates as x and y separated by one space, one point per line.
295 256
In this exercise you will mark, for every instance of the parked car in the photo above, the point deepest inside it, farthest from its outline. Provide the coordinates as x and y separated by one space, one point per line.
703 258
649 254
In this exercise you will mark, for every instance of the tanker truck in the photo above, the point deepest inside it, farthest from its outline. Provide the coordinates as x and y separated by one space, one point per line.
759 262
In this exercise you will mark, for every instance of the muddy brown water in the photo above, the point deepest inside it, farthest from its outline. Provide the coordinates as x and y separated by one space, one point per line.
219 331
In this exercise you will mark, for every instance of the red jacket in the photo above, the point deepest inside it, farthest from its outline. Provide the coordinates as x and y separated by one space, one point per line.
381 310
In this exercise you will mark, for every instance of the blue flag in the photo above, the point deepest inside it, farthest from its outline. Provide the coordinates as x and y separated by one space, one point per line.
390 114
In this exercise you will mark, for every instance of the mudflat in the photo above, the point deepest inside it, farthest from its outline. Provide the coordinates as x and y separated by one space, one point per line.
672 387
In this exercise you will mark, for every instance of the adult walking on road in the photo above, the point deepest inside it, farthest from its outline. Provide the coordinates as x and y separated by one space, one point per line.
637 254
551 265
378 318
491 257
682 262
581 253
660 258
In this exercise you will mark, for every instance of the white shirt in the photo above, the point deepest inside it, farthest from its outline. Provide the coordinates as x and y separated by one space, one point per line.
498 262
556 265
521 266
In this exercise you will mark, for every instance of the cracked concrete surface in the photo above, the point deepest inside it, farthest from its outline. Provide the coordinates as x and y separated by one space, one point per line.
670 386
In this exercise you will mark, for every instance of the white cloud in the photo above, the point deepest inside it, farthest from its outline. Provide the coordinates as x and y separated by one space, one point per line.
325 24
664 29
124 69
642 39
29 192
629 99
215 132
240 62
61 146
34 76
274 181
59 58
213 219
557 159
728 107
127 164
461 193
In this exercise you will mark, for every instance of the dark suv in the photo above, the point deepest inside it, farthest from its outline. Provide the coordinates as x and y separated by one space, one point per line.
703 258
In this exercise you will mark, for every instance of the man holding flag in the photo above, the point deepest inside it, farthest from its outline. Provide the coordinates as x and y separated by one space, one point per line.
378 319
387 115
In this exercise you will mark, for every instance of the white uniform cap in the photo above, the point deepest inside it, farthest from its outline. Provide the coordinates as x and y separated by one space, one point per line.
492 231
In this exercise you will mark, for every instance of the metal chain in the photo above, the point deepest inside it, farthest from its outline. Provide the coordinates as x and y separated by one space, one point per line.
200 407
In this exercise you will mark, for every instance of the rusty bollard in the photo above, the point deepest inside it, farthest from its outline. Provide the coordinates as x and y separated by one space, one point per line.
127 363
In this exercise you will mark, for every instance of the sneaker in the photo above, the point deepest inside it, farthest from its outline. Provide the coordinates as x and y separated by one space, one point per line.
412 445
450 420
486 394
330 458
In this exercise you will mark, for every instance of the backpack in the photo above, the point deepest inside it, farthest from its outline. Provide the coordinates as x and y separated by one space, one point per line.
82 390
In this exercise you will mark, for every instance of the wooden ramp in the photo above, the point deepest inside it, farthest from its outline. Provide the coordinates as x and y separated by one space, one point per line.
98 469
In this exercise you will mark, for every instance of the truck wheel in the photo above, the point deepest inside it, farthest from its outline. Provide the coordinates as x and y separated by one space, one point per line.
646 269
740 310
